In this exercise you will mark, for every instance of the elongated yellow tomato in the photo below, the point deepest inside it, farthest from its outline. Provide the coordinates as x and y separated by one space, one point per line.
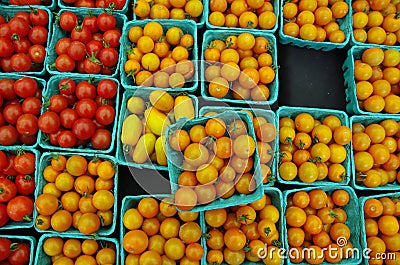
161 100
144 148
131 130
160 151
136 105
183 108
156 121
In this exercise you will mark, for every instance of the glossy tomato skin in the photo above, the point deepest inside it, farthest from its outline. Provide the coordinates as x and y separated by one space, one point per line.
9 135
37 53
68 117
8 190
66 139
21 45
67 86
38 35
23 15
6 65
53 137
39 17
20 62
25 163
107 88
5 245
27 124
112 37
68 21
25 184
49 122
108 57
19 26
119 4
94 47
82 34
20 207
100 101
6 47
5 31
91 23
91 66
25 87
85 3
62 46
86 108
20 255
83 128
7 88
12 112
101 139
105 115
106 22
58 103
3 216
27 139
77 50
64 63
9 170
85 90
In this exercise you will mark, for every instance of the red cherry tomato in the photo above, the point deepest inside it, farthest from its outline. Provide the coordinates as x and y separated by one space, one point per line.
101 139
25 163
20 255
83 128
8 190
27 124
25 184
49 122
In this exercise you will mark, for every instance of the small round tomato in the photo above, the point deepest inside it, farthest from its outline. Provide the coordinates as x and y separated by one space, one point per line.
21 45
82 34
31 105
20 62
6 65
25 87
86 108
112 38
27 139
68 21
85 89
53 137
66 139
108 56
91 23
58 103
101 139
38 35
5 31
8 190
19 26
12 112
49 122
64 63
68 117
106 21
9 170
7 88
94 47
105 115
20 255
83 128
27 124
6 47
67 86
107 89
37 53
77 50
25 184
20 208
62 46
5 248
92 65
39 17
9 135
25 163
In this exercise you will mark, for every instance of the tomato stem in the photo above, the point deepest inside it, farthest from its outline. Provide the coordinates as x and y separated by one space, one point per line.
27 218
14 246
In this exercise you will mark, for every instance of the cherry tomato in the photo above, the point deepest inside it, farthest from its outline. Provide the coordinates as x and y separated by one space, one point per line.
37 53
80 67
24 16
100 101
27 139
119 4
3 216
112 37
25 184
58 103
39 17
9 170
98 125
77 50
106 70
66 139
49 122
97 36
105 115
25 87
9 135
68 21
64 63
20 62
82 34
92 65
21 45
62 45
20 255
5 245
25 163
107 88
94 47
108 56
91 23
19 26
106 21
8 190
6 47
101 139
12 112
5 31
7 88
71 99
85 90
67 86
38 35
86 108
31 105
6 65
3 160
53 137
68 117
27 124
83 128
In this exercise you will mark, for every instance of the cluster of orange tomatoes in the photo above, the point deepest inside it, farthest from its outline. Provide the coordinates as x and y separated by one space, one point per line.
376 22
243 232
218 159
377 77
78 194
159 234
158 58
317 220
241 67
315 20
168 9
242 14
376 153
382 229
74 251
311 149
